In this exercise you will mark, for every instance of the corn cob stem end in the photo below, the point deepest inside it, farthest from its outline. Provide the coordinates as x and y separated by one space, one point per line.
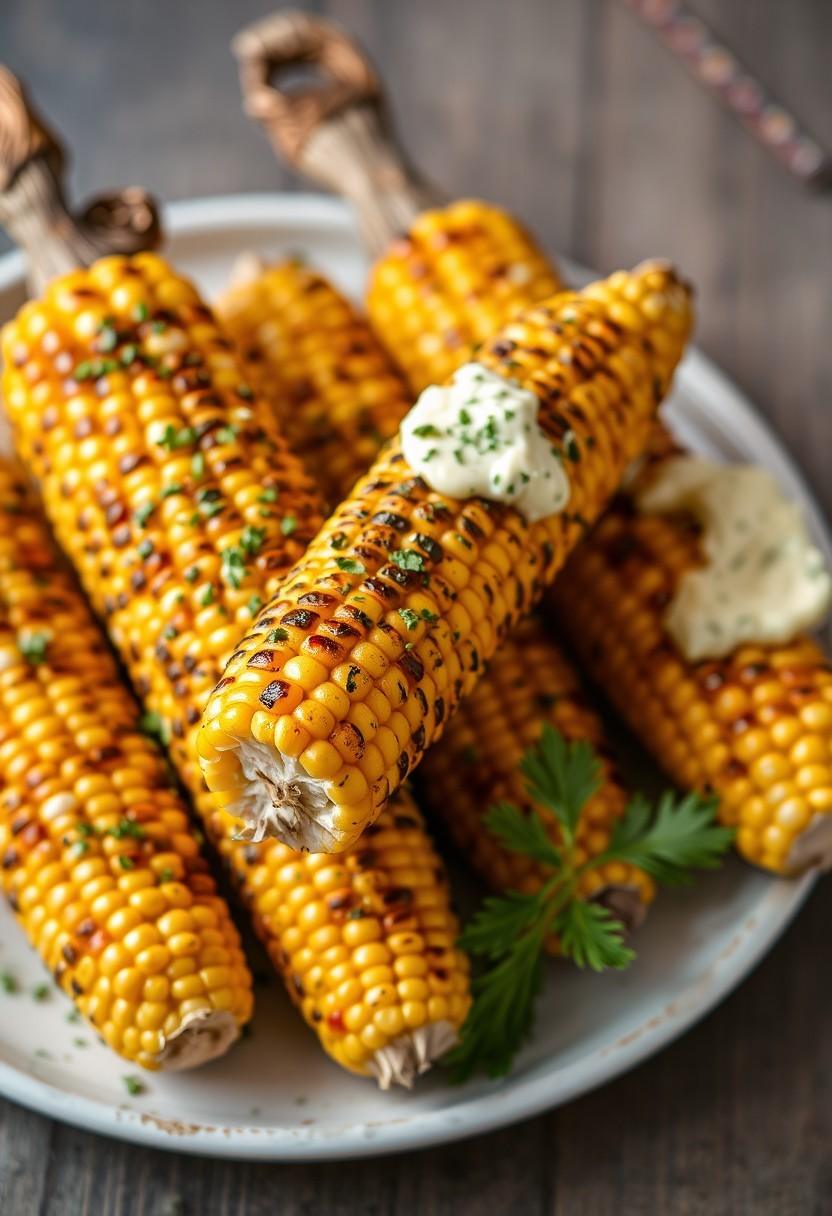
205 1034
411 1055
812 849
625 904
280 799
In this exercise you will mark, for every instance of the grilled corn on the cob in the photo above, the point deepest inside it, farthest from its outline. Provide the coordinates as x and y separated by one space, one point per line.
169 486
611 600
335 391
476 764
458 275
528 682
332 698
755 728
96 855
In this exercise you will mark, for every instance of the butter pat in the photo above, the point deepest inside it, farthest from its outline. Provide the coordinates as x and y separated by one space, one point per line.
479 437
763 580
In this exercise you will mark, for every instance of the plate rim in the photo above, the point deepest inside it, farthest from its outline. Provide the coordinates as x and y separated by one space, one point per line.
511 1100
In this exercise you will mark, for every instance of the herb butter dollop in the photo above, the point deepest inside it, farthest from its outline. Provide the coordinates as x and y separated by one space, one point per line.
479 437
763 580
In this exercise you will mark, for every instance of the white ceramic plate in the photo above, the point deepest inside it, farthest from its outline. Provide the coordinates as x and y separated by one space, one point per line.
276 1095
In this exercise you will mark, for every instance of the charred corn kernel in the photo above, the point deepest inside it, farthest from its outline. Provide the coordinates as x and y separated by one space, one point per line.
456 277
341 929
334 389
766 743
106 445
476 764
386 548
78 857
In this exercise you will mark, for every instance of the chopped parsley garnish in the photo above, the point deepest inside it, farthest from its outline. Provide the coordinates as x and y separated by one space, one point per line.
173 438
126 863
141 313
352 678
158 327
169 491
350 565
226 434
127 829
129 354
410 618
233 566
143 513
33 647
166 875
339 540
288 525
198 464
277 635
144 548
107 336
268 495
41 992
407 559
206 595
427 431
251 540
154 726
133 1085
192 574
8 983
255 604
509 931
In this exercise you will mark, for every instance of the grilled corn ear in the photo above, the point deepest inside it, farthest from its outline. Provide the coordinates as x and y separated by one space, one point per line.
99 861
170 487
460 273
755 728
331 698
476 764
334 389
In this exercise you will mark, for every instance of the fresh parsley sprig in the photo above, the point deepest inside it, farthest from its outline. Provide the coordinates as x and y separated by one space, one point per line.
509 931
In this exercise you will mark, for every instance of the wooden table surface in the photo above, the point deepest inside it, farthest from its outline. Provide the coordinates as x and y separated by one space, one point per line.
570 113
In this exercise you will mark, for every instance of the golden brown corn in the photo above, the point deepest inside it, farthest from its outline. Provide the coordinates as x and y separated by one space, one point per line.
366 942
452 282
755 728
476 764
332 698
504 713
97 857
335 392
177 500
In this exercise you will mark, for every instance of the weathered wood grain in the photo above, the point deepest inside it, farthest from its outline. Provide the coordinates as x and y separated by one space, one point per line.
574 116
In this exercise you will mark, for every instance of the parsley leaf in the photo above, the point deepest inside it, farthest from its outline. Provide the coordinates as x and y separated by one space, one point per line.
591 936
33 647
509 931
407 559
350 565
561 775
681 836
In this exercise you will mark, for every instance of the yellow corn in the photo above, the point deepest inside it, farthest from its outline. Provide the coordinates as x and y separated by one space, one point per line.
335 391
476 764
453 281
97 857
755 728
181 508
504 714
331 699
366 942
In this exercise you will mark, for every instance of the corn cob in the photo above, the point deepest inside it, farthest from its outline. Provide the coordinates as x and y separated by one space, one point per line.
331 699
181 508
755 728
366 942
335 391
98 860
453 281
476 764
783 821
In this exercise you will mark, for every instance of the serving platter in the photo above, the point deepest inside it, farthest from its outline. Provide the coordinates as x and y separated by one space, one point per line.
276 1096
